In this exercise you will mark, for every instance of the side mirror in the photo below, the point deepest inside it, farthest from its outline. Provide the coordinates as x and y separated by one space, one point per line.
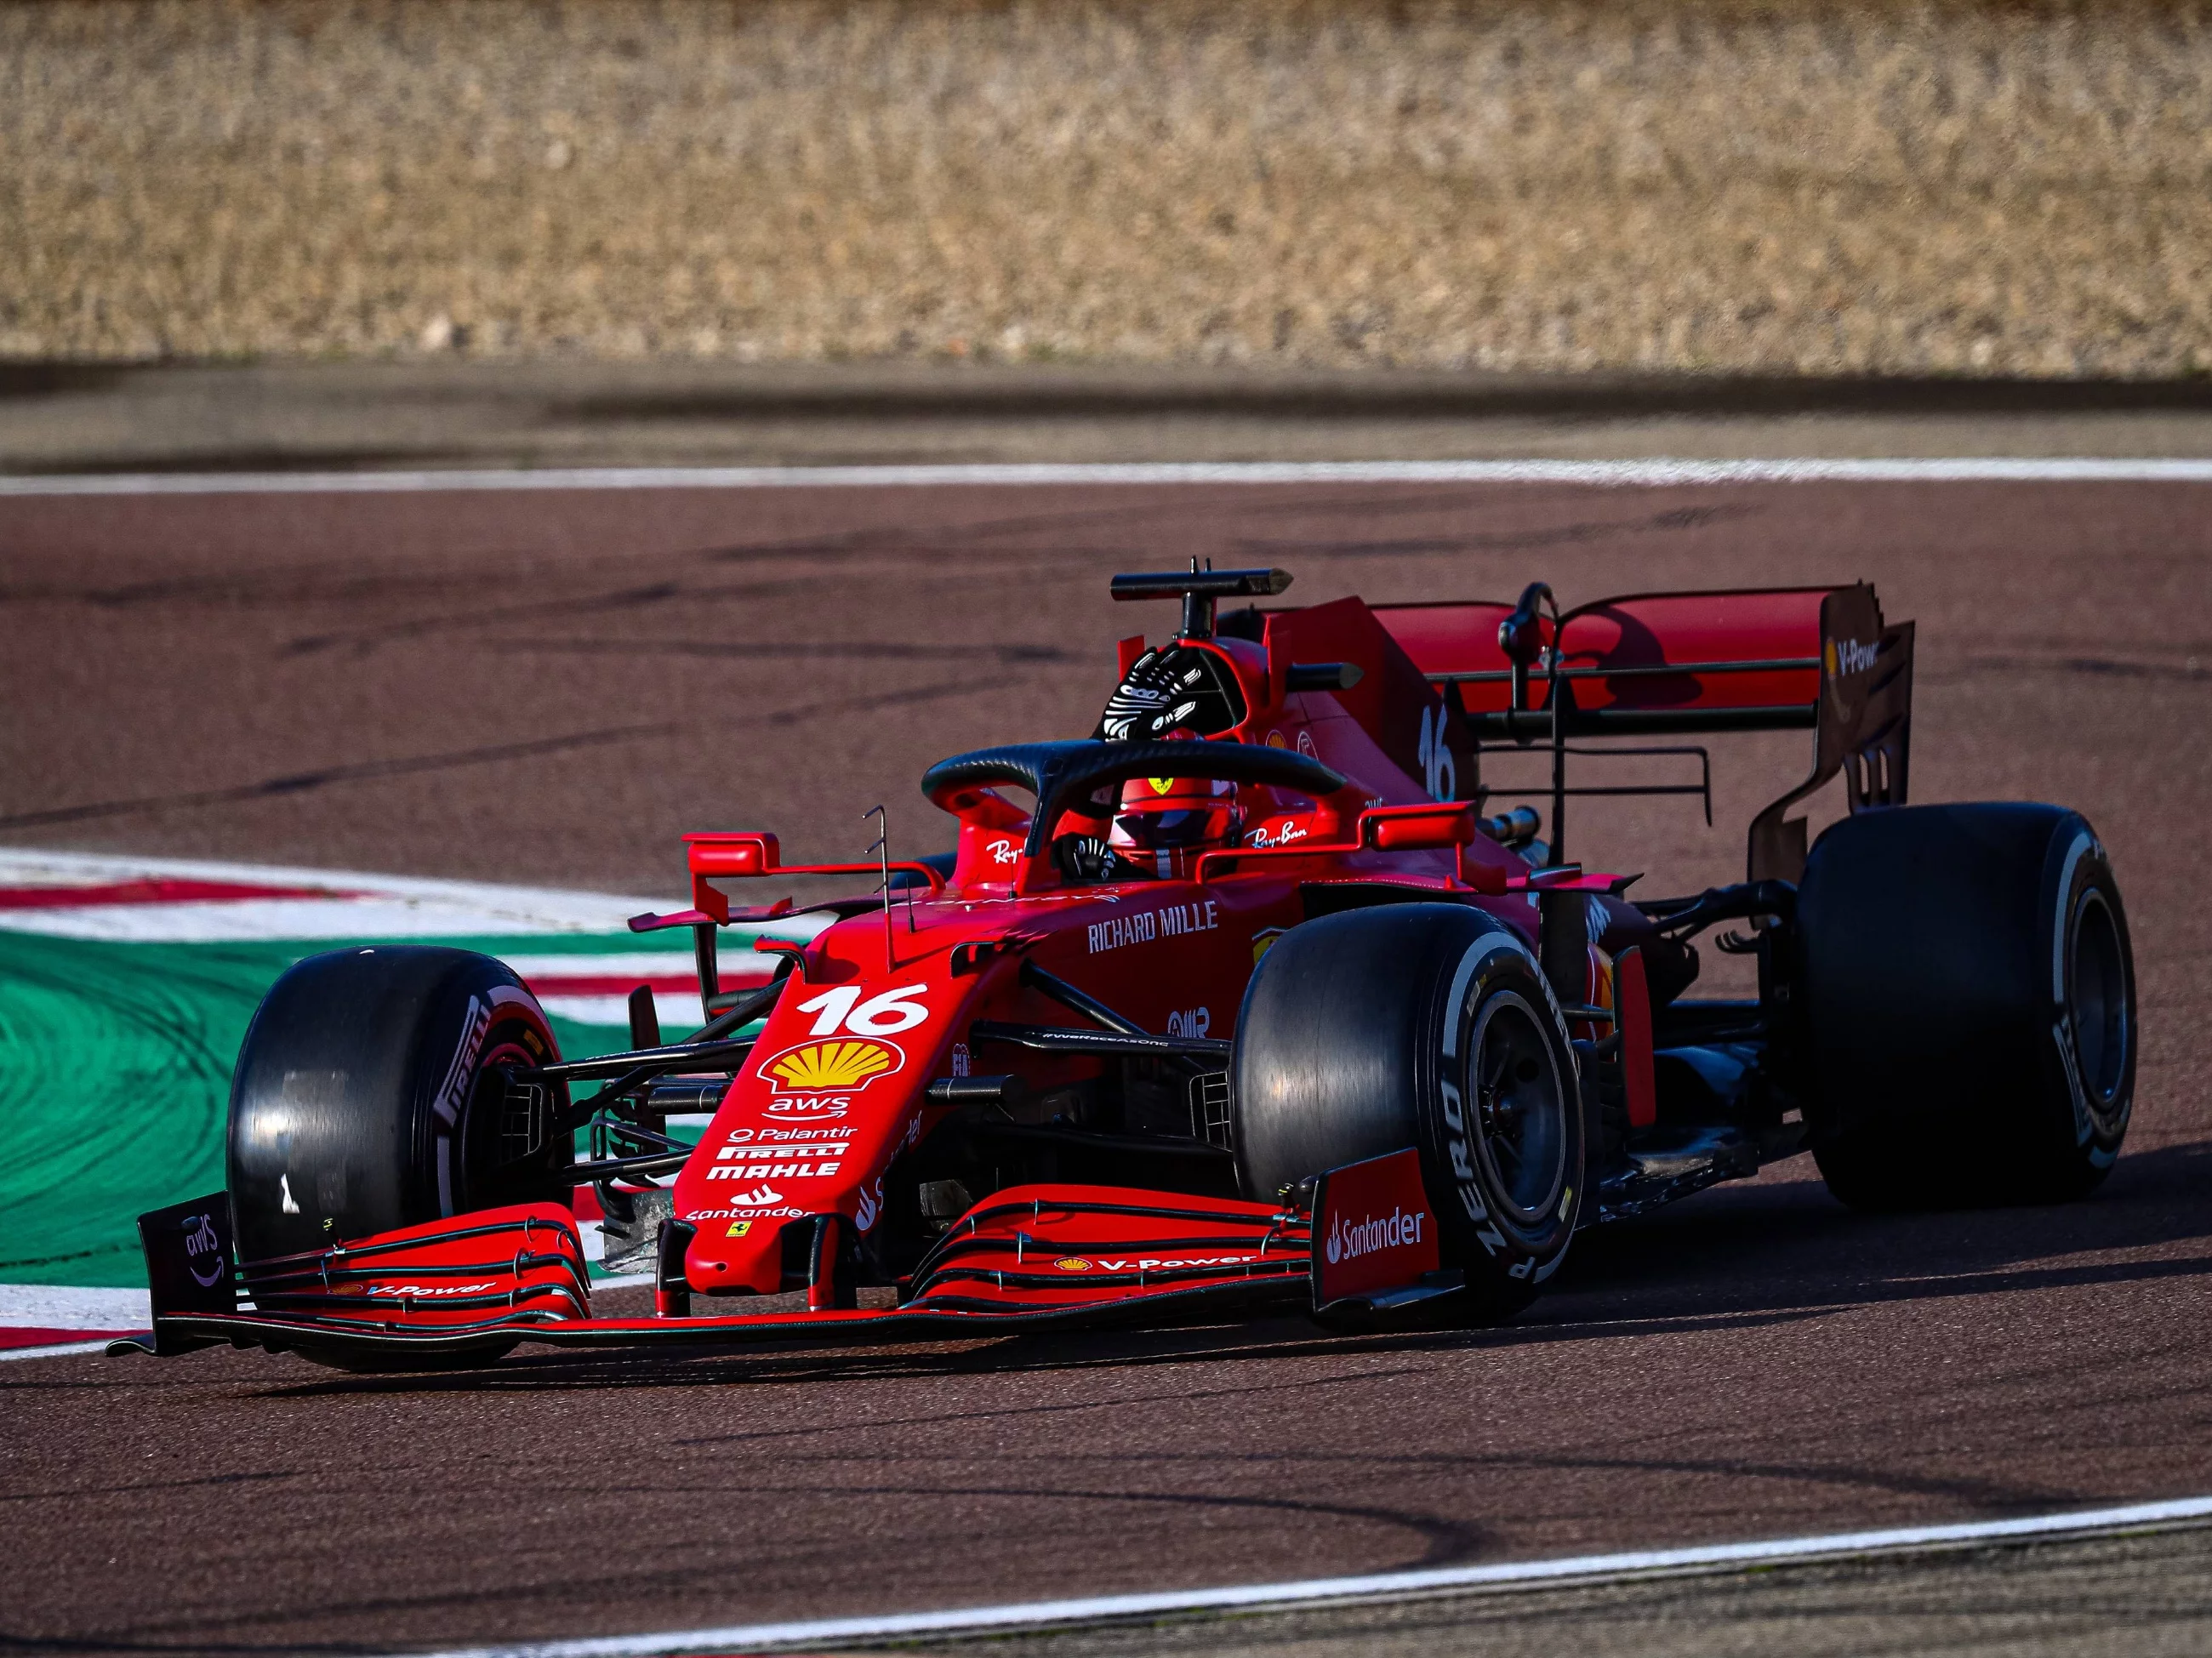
1431 826
710 854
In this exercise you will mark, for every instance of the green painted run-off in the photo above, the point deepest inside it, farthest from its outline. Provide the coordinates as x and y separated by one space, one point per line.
115 1064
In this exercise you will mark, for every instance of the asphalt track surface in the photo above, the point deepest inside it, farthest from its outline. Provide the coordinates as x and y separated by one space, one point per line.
2143 1596
553 688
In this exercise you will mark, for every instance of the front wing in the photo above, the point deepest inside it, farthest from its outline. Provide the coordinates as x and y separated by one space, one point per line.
1029 1259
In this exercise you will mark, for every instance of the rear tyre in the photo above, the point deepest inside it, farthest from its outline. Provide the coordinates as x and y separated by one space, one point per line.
1968 1005
369 1096
1427 1025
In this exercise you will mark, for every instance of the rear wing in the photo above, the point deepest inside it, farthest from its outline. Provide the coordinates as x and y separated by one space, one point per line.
1774 659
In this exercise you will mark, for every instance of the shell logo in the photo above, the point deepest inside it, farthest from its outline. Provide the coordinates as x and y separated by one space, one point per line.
1072 1264
820 1068
1828 658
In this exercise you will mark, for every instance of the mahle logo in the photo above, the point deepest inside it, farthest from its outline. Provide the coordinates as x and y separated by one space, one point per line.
824 1067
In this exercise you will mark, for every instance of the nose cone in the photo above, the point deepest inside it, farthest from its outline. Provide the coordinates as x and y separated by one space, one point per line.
832 1091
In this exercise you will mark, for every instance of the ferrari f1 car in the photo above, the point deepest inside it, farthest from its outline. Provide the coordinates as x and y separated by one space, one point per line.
1249 1000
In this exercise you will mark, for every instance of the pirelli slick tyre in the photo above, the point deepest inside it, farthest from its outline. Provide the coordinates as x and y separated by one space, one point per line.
1426 1025
369 1096
1968 1006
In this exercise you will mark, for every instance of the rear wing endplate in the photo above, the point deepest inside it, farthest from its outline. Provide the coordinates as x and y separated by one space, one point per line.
1862 726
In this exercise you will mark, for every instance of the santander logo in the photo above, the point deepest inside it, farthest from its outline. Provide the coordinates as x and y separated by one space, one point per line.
1395 1230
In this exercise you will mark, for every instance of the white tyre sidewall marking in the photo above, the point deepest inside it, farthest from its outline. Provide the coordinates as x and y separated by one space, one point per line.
2062 1026
1461 1153
461 1072
2087 1118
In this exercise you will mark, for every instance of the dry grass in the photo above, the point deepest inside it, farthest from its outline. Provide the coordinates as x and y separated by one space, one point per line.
1696 184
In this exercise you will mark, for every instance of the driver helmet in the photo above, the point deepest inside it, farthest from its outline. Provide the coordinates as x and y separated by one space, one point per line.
1164 823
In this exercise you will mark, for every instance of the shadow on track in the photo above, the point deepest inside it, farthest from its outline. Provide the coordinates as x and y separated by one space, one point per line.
1776 1247
1736 1258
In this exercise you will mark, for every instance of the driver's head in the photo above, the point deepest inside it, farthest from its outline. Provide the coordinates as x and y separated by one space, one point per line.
1164 823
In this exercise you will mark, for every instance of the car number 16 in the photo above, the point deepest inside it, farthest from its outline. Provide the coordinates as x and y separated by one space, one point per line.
884 1015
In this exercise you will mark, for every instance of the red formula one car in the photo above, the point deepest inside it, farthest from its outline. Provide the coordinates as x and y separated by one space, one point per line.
1249 1001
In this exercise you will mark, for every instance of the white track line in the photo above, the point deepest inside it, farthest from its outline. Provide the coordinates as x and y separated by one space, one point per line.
401 904
61 1307
65 1350
1527 1574
363 905
1604 473
102 1315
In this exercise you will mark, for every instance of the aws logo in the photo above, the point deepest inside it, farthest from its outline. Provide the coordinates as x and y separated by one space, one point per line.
831 1066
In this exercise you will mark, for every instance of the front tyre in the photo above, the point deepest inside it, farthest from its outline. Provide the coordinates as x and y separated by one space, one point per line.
371 1093
1427 1025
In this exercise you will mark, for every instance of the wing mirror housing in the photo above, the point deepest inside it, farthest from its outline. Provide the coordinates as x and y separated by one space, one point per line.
1431 826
